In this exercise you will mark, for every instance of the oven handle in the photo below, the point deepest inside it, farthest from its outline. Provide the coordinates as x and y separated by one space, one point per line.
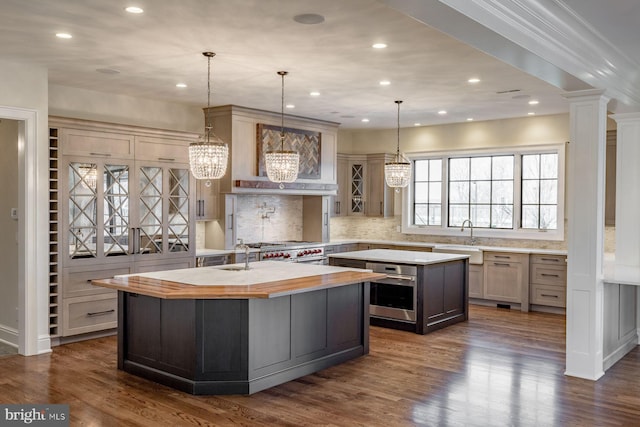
401 277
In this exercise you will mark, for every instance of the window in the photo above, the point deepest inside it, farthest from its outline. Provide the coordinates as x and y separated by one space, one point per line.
517 192
540 191
481 189
427 204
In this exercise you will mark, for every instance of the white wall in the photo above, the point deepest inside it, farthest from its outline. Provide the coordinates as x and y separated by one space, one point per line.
23 93
86 104
9 229
492 133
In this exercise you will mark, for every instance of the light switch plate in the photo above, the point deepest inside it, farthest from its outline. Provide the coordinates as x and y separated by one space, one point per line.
14 213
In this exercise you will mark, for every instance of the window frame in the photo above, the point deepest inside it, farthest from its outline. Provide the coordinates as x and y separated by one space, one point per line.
515 233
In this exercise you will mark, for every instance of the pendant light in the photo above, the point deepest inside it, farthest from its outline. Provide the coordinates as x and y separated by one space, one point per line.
209 156
397 173
282 166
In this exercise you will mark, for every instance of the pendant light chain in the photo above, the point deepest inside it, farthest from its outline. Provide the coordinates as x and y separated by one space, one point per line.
208 158
282 74
398 146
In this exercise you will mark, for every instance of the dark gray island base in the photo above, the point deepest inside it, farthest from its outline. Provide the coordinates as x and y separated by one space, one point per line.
215 331
441 286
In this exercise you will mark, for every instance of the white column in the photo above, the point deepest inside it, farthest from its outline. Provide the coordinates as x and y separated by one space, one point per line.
628 190
586 178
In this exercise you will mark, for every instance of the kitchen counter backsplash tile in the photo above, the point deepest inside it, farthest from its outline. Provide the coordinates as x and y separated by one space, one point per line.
264 218
355 228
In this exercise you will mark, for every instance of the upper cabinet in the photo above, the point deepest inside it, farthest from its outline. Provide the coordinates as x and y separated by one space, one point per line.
362 189
244 130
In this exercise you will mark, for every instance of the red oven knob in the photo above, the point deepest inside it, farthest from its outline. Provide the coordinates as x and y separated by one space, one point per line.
287 255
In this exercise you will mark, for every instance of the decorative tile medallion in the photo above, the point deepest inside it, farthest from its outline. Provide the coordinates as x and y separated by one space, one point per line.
306 143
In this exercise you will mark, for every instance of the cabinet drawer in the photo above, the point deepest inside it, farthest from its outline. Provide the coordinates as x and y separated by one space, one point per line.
548 295
76 282
545 274
96 144
89 314
506 257
549 259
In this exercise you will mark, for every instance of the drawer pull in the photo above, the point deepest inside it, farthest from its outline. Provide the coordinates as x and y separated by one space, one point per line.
502 264
550 275
101 154
550 259
166 159
502 256
101 313
549 296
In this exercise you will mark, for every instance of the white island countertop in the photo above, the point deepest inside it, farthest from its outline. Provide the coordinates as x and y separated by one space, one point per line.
235 275
619 274
400 257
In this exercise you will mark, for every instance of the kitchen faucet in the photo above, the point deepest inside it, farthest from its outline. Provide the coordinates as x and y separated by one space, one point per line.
241 245
473 239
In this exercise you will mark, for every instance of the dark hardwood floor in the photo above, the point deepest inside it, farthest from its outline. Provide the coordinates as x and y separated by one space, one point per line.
501 368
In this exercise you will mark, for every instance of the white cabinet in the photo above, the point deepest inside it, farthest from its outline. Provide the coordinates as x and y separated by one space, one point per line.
361 186
207 199
506 278
548 282
476 281
126 205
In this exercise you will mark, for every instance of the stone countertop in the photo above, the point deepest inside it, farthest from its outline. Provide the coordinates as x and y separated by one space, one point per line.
214 252
266 279
400 257
619 274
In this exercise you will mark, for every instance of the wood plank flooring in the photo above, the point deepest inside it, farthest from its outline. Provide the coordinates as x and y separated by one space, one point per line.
501 368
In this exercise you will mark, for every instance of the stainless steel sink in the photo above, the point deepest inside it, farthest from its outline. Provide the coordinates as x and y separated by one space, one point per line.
475 253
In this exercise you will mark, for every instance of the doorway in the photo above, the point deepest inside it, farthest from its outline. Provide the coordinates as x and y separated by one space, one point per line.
32 235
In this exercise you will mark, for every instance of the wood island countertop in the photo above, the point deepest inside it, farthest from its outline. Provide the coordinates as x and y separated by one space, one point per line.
266 279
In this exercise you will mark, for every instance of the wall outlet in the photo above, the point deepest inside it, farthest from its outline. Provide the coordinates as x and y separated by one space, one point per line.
14 213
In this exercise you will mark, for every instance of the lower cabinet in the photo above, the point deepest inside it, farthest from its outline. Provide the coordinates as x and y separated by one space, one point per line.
506 278
476 281
548 282
445 299
620 321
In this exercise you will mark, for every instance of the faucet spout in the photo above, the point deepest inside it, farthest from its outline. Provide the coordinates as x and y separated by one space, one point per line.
468 221
241 245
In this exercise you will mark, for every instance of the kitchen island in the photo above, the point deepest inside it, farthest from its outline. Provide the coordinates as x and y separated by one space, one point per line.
225 330
423 291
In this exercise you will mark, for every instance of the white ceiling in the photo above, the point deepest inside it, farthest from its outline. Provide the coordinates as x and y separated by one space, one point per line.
253 39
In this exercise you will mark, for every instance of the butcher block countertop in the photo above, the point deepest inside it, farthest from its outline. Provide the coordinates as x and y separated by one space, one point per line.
266 279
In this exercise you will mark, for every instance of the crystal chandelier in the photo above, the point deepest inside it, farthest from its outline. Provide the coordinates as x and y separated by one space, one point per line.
282 166
209 156
397 173
89 176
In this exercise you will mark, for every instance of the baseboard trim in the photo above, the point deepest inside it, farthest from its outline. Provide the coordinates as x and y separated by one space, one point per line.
9 336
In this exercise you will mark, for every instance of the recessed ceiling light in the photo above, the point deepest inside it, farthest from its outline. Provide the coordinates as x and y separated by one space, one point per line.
531 113
474 80
181 85
134 9
385 83
309 19
416 124
469 119
379 45
442 112
314 93
534 102
290 106
63 35
365 120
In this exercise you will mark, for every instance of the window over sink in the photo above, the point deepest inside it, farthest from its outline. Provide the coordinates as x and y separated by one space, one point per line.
515 192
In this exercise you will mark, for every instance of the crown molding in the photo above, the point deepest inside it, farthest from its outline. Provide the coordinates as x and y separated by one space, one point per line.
553 31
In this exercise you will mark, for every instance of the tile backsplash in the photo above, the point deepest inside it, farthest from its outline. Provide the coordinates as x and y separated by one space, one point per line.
269 218
359 228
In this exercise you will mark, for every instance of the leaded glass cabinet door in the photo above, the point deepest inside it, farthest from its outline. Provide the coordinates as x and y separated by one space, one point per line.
97 211
163 211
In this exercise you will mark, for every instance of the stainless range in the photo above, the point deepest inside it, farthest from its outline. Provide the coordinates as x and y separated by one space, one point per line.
292 251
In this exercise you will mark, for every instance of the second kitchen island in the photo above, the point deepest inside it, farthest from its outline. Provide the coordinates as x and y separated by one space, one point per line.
423 291
225 330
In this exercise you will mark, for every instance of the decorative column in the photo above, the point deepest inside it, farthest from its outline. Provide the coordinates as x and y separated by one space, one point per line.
586 179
